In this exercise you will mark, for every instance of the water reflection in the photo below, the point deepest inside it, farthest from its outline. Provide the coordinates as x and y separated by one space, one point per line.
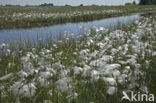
16 35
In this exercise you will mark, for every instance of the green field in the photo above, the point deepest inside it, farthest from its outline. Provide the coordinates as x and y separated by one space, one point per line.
20 17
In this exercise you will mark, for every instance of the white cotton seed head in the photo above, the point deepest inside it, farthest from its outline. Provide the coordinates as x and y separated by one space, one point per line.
63 84
6 76
46 74
111 90
77 70
121 80
112 66
154 53
95 75
22 74
43 82
27 90
109 81
116 73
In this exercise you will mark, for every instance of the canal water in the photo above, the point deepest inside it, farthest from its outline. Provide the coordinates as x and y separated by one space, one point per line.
33 34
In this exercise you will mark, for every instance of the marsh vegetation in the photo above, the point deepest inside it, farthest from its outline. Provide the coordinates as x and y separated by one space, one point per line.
96 67
19 17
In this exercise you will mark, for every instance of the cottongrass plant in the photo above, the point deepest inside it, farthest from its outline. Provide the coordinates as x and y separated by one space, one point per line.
95 68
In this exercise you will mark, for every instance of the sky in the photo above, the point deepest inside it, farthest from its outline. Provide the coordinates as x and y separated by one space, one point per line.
63 2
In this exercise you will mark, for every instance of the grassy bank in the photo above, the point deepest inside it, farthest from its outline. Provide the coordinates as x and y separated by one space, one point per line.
22 17
96 68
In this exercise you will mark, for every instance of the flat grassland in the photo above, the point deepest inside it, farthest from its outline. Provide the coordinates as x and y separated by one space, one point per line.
20 17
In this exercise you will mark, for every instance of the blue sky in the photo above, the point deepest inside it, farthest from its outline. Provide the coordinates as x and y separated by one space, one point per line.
63 2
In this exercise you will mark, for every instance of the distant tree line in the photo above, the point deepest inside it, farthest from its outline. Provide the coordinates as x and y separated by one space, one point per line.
147 2
133 3
143 2
9 5
47 4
